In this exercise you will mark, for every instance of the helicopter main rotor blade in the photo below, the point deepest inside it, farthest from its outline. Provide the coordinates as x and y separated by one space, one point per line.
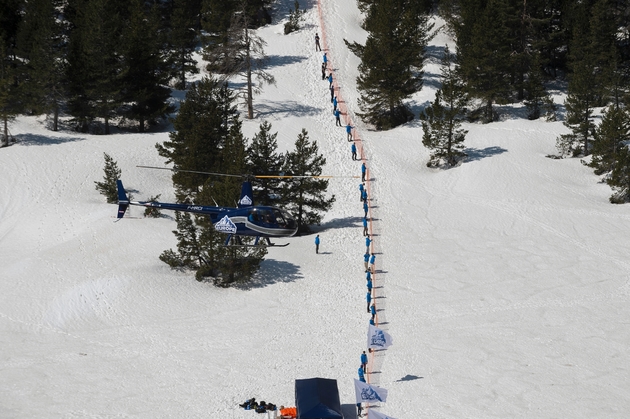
254 176
189 171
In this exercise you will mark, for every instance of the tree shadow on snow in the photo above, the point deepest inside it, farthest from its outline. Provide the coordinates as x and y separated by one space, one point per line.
281 60
33 139
287 108
478 154
272 272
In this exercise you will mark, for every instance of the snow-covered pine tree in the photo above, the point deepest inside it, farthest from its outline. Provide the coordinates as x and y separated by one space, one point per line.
305 197
108 188
441 124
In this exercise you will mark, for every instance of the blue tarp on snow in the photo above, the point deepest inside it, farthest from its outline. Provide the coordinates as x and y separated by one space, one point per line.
317 398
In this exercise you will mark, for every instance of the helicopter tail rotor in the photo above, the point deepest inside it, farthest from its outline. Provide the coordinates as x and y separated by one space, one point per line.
123 200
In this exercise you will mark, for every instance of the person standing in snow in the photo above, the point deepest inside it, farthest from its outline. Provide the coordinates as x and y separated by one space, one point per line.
323 71
372 260
338 118
361 375
353 149
364 198
359 409
317 244
368 275
365 231
334 104
363 172
317 46
369 285
373 311
366 259
361 187
364 360
330 80
368 298
368 241
332 93
349 132
325 60
365 206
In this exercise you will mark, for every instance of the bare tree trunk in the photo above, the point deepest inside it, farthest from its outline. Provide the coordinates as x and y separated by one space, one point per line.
248 64
5 134
56 118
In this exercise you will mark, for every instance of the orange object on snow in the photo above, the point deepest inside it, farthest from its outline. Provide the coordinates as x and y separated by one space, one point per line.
288 412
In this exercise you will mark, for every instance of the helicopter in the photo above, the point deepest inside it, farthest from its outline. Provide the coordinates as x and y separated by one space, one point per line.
261 222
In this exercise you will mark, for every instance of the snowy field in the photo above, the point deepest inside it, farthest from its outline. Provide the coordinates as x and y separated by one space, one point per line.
504 282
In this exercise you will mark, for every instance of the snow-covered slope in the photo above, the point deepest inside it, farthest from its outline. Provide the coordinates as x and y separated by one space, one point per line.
504 282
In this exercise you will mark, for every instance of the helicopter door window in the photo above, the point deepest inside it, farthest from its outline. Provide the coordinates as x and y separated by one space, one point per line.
253 216
279 218
266 216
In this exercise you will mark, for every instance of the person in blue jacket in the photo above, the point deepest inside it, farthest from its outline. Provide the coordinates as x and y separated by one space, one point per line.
369 285
353 149
364 361
373 310
368 298
363 172
361 374
366 259
364 197
372 321
361 186
365 207
334 104
365 232
368 275
372 260
325 59
349 132
330 79
317 244
368 241
338 118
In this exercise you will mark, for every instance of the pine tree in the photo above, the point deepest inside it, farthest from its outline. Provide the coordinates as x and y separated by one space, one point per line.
241 53
610 138
145 72
189 252
10 103
108 187
485 59
200 131
295 16
263 159
391 60
538 101
305 197
619 179
182 42
441 124
43 49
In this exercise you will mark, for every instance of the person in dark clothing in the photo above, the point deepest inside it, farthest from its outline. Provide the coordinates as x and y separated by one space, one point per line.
317 244
317 46
368 298
332 93
334 103
353 149
323 71
363 172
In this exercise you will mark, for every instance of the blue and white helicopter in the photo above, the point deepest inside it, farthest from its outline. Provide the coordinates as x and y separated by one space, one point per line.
244 220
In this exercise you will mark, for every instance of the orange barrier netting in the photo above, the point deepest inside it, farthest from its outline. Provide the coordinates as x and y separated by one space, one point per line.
359 144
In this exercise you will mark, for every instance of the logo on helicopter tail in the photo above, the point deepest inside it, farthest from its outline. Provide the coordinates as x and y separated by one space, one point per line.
245 201
225 225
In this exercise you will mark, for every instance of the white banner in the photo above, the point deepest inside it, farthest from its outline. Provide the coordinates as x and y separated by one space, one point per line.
373 414
378 339
366 393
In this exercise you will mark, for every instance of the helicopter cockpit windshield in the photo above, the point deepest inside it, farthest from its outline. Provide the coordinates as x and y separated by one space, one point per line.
272 216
